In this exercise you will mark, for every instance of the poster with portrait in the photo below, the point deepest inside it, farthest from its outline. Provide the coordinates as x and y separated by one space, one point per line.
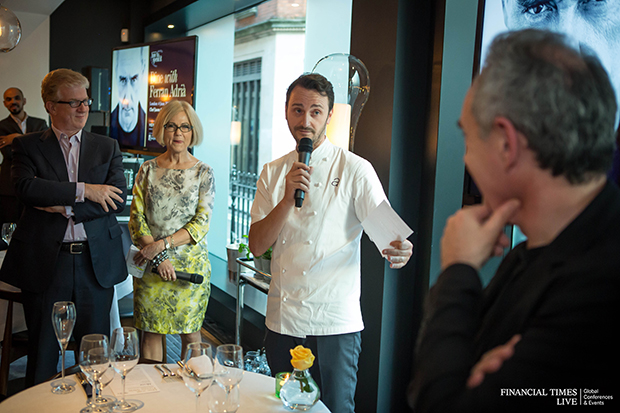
593 25
129 96
171 77
145 78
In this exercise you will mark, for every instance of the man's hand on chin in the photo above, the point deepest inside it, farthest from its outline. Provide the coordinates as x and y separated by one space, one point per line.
475 233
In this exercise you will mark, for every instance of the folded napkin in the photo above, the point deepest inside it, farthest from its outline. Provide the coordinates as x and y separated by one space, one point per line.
201 365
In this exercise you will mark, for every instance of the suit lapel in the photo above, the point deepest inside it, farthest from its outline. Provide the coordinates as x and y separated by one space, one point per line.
88 148
12 125
50 149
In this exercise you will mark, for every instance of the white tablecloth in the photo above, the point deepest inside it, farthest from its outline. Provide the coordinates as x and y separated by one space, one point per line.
256 396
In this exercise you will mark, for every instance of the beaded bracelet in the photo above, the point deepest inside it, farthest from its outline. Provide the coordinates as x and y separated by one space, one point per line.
159 258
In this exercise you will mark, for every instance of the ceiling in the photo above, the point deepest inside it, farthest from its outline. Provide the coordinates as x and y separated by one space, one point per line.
45 7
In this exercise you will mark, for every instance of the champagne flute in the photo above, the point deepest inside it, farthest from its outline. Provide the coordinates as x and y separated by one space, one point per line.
7 232
125 354
198 371
63 320
228 372
94 359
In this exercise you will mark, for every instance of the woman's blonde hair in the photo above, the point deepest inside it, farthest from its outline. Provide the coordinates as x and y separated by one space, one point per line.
171 110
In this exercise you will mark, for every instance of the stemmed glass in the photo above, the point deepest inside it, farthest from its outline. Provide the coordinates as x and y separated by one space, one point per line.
7 232
198 371
105 379
228 372
125 354
94 360
63 320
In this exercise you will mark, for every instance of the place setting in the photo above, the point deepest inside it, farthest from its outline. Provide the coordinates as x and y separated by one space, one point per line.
99 359
220 379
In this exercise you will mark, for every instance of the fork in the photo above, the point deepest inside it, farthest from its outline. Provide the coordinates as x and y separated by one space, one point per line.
170 372
163 373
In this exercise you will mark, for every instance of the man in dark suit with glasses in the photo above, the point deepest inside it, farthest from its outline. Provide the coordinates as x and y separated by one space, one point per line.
67 245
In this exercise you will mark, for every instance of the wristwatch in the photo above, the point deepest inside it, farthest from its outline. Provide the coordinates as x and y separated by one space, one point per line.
166 243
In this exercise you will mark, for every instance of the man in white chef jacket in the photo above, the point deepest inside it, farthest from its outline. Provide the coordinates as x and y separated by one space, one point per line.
314 297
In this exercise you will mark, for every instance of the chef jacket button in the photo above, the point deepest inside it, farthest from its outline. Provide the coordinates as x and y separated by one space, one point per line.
314 213
283 270
303 273
283 241
309 242
283 298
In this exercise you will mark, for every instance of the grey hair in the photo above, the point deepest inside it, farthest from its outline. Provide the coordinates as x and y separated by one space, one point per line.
561 99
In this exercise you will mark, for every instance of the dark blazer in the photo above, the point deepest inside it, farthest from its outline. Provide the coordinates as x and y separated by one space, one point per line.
561 298
7 127
40 178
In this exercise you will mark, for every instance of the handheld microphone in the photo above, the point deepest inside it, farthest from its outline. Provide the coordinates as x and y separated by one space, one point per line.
304 149
185 276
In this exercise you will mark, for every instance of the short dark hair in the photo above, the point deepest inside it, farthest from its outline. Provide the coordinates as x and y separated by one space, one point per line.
559 97
313 81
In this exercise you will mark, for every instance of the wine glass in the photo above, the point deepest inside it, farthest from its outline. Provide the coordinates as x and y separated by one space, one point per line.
228 372
7 232
198 370
125 353
63 320
94 359
103 400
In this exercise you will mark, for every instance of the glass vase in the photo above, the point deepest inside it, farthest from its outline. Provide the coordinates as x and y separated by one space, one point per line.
300 391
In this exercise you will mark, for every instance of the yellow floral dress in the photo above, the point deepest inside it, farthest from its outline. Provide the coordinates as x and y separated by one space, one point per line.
165 200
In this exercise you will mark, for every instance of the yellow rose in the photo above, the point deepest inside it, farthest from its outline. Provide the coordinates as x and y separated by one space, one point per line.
302 358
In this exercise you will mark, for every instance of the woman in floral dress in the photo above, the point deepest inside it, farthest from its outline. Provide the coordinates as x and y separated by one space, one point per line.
170 215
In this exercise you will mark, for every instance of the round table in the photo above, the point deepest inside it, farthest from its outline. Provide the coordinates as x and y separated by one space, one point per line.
256 395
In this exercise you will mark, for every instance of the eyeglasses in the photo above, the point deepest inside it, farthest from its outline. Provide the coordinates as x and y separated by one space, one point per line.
171 127
77 103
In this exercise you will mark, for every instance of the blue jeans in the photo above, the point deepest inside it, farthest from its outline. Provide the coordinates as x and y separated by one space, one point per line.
334 369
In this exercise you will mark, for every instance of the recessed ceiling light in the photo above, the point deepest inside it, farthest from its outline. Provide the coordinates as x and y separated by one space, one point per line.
295 4
171 26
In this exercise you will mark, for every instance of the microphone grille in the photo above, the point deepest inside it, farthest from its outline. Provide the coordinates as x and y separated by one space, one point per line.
305 145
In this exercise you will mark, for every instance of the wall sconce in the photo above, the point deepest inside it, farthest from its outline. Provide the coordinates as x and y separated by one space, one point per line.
351 83
235 127
10 30
235 132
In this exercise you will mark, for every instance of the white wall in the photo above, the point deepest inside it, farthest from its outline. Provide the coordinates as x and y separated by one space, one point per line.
26 65
213 97
328 29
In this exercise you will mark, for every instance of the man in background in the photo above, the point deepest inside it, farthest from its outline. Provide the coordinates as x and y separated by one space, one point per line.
67 244
128 118
314 296
17 123
539 136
